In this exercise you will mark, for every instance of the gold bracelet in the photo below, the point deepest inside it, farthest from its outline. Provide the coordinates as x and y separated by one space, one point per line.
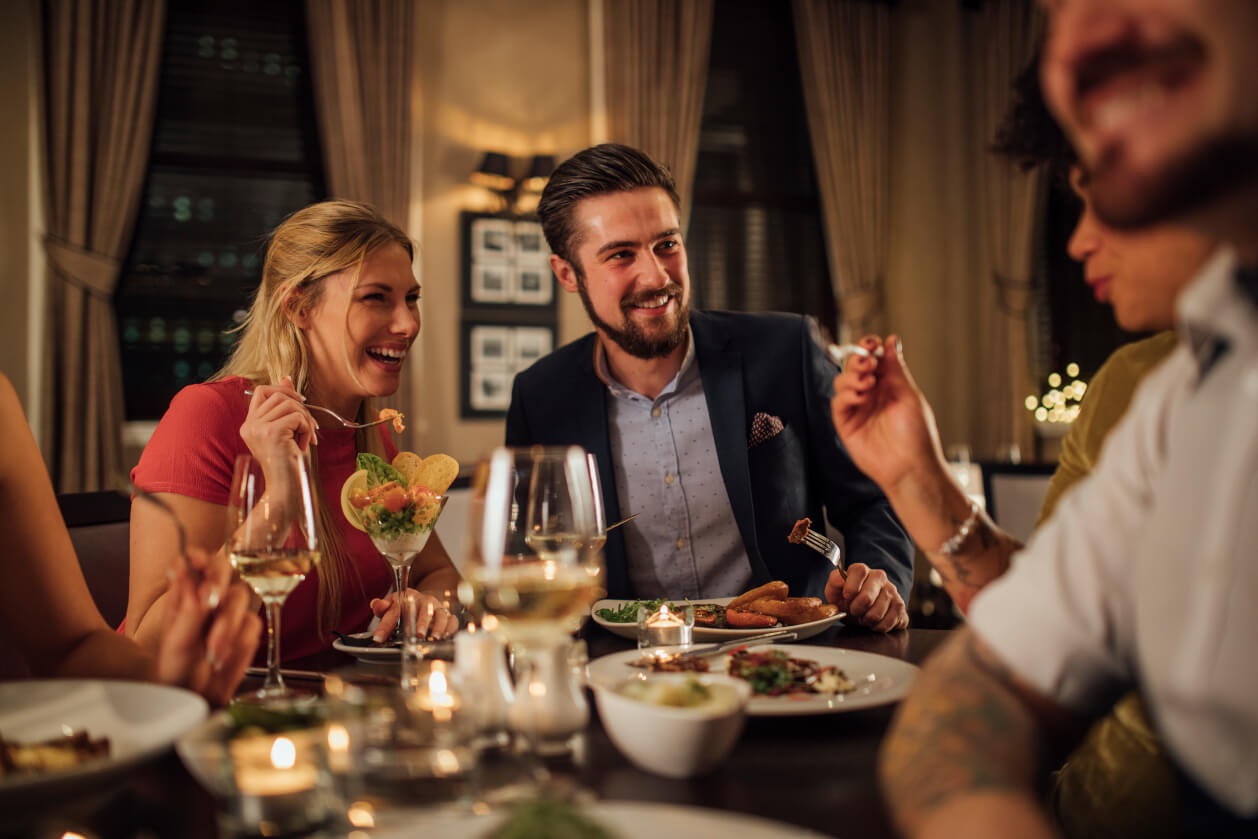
957 539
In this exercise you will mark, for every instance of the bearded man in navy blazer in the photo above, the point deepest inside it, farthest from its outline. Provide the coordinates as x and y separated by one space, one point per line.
712 427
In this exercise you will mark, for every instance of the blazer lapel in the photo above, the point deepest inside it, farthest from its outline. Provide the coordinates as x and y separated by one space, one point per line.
721 368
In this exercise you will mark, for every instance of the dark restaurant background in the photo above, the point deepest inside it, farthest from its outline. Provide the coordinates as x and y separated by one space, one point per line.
235 147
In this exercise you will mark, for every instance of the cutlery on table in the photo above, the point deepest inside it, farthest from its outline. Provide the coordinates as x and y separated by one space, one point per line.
300 675
725 646
346 423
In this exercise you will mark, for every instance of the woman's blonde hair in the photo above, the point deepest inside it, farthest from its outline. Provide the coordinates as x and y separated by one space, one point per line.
309 246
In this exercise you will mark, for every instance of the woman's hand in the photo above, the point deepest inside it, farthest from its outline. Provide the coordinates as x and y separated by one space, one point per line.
433 618
211 630
277 422
880 414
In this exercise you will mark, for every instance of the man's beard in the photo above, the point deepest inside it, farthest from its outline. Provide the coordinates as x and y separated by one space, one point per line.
1188 184
631 338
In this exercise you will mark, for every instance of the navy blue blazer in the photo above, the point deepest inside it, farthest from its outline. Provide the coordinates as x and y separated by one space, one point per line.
749 363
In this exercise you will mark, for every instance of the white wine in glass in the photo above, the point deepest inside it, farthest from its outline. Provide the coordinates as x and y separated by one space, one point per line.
530 567
272 541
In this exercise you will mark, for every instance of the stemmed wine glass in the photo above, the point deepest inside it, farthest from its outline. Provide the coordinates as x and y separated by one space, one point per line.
272 540
530 566
399 549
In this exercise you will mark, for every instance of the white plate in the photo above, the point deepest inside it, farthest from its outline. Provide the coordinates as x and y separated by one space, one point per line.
879 680
435 649
708 633
620 818
140 720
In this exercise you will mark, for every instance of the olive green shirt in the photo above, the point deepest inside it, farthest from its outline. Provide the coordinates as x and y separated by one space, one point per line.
1118 782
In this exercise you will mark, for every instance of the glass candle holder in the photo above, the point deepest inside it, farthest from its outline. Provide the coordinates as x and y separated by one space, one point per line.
268 784
665 627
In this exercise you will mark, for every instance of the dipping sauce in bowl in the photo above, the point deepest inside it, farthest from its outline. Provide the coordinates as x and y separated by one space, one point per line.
690 693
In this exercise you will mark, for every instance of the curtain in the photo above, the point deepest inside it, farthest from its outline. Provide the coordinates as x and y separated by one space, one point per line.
656 55
101 63
845 62
1002 37
360 55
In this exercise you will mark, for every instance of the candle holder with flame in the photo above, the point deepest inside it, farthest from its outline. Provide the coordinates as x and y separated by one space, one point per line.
264 782
407 746
665 626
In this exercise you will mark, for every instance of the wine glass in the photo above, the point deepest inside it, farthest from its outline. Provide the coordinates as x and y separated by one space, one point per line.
272 541
599 539
402 536
530 572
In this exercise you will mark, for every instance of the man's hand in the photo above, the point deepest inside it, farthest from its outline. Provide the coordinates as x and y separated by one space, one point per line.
211 630
868 597
880 414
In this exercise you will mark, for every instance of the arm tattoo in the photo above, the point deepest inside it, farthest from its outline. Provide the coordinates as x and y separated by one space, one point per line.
963 729
983 557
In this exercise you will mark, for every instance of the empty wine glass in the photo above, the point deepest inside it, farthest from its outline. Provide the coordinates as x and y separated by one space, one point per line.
272 540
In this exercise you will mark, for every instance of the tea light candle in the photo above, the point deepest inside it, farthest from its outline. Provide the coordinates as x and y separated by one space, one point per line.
665 627
267 766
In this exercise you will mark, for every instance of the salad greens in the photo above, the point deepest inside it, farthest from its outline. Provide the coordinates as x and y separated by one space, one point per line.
550 819
246 716
379 472
628 612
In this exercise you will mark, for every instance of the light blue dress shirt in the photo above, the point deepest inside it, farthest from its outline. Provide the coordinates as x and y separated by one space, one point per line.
684 541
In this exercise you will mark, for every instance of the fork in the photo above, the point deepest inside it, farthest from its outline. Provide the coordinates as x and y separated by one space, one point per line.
839 354
197 575
344 422
825 546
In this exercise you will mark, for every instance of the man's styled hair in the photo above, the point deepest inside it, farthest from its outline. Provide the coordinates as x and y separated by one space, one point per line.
597 170
1028 135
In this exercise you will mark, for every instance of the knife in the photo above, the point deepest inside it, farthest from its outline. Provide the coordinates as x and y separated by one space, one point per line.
726 646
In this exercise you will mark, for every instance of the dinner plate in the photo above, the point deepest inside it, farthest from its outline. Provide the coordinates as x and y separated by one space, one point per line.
620 818
879 679
708 633
140 720
382 652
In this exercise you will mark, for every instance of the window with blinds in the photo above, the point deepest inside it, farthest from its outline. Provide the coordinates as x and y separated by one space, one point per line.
755 241
235 150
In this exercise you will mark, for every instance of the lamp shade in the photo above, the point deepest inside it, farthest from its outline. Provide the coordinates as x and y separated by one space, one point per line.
539 173
493 172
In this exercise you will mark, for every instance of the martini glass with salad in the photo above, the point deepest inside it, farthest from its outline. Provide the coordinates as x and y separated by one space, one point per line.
397 505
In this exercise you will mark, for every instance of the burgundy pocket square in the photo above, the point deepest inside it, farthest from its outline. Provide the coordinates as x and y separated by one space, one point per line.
764 427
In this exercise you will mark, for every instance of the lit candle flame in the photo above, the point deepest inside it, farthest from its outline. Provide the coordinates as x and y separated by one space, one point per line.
283 753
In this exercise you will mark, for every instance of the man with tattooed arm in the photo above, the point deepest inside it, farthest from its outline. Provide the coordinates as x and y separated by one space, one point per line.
1145 575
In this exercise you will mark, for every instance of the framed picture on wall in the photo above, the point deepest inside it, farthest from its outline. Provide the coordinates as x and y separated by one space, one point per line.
492 348
493 240
490 391
531 343
493 353
533 285
530 244
492 282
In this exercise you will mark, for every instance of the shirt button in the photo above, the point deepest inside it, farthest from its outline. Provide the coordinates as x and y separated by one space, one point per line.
655 412
668 479
681 543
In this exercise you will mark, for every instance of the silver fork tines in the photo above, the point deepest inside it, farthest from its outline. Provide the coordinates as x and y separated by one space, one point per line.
346 423
824 546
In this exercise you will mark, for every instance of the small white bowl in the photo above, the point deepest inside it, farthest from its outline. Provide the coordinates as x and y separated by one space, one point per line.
676 742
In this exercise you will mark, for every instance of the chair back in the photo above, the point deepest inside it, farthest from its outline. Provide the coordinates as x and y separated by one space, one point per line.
100 529
1015 492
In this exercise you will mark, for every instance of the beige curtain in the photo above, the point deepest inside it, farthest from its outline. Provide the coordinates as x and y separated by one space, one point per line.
1002 38
360 55
101 64
845 62
656 55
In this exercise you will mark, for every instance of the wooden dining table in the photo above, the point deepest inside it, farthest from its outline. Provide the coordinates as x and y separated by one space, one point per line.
815 771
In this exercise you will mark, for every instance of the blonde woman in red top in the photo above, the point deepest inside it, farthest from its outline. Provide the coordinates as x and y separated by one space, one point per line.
334 318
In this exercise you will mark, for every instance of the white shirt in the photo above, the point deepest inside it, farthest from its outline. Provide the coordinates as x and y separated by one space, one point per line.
685 541
1148 571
